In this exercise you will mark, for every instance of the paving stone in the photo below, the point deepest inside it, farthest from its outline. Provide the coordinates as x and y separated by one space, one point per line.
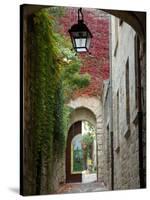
81 187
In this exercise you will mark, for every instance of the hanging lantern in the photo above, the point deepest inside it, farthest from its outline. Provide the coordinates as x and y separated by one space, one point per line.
80 34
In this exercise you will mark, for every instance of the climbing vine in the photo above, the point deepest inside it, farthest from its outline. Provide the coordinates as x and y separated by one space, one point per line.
43 87
54 74
97 63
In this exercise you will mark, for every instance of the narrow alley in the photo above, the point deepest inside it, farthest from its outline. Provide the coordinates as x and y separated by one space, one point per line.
84 100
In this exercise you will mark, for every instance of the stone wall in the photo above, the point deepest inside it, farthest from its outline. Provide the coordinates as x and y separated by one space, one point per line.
125 127
121 97
59 176
107 132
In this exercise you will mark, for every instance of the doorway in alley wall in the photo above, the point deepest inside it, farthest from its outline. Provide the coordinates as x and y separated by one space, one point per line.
81 156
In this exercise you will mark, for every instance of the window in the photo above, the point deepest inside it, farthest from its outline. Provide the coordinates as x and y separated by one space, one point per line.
127 94
118 117
127 85
136 65
120 22
108 148
117 132
116 29
117 123
116 35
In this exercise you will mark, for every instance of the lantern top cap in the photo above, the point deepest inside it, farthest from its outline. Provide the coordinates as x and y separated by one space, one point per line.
80 27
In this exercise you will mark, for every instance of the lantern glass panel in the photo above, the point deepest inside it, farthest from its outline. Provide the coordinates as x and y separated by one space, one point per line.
88 42
80 42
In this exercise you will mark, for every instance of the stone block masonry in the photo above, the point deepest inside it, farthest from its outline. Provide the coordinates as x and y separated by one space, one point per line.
126 151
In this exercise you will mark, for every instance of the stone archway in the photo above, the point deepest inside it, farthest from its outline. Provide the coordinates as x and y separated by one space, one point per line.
82 114
90 109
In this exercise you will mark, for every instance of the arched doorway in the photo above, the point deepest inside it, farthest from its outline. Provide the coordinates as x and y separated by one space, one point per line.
76 176
79 118
81 153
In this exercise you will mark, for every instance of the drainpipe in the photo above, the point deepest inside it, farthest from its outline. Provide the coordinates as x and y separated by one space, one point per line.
111 107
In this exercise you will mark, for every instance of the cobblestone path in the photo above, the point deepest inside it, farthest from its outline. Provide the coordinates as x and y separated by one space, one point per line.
81 188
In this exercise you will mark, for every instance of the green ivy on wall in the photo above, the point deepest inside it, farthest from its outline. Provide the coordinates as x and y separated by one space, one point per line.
54 74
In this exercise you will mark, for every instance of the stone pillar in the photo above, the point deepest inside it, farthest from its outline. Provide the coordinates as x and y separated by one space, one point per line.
100 149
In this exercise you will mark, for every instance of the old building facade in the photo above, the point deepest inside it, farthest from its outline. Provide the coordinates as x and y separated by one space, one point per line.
121 104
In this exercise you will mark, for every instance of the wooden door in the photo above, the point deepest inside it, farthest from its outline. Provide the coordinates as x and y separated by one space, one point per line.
74 130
